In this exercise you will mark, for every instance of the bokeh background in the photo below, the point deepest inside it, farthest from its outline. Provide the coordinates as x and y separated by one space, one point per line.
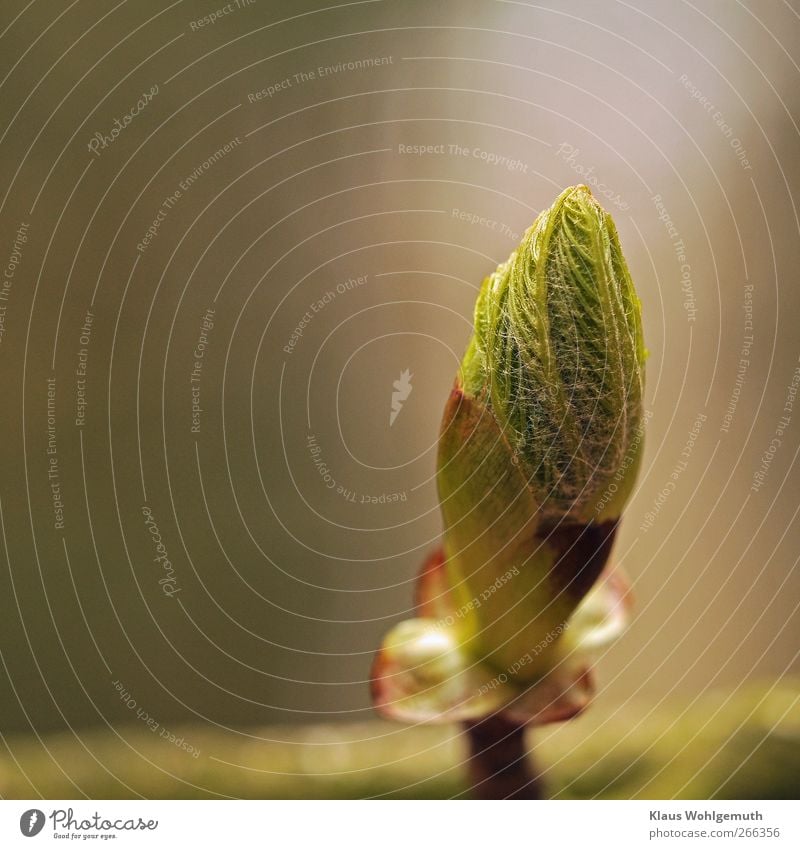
296 205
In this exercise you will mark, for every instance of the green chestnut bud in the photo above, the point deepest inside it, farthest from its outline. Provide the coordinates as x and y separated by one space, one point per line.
540 445
558 357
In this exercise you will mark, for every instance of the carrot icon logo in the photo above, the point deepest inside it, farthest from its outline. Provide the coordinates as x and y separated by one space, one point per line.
402 389
31 822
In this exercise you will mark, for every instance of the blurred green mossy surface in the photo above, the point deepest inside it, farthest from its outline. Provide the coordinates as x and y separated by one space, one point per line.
723 745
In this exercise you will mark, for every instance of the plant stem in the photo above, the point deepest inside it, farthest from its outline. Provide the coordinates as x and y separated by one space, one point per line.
499 763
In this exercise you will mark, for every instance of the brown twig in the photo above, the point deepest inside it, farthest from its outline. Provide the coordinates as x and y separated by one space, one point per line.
499 763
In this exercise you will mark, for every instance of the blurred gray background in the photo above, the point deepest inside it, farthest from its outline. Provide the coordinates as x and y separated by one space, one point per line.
294 516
